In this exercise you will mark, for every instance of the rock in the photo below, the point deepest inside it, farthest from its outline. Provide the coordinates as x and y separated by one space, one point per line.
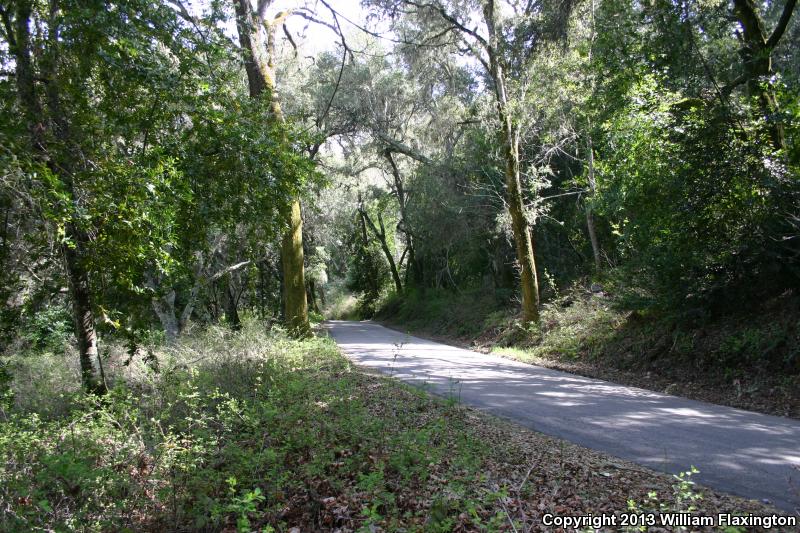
596 287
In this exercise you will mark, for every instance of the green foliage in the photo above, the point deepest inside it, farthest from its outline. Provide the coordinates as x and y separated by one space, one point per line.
464 314
368 276
691 220
231 431
46 330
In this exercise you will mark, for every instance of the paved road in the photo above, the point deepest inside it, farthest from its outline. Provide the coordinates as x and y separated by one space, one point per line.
744 453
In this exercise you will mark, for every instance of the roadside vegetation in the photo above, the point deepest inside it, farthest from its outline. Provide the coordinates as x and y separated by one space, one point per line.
748 359
253 431
606 186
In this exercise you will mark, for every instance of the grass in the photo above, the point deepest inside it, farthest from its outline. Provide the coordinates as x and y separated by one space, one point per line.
253 431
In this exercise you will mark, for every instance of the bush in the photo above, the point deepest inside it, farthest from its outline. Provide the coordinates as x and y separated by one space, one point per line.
46 329
245 430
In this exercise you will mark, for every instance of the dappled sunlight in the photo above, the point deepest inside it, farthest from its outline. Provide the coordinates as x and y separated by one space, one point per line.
739 451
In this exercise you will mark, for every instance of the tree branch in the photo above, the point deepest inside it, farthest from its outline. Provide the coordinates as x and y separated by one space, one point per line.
397 146
8 27
228 270
261 8
290 39
788 9
452 20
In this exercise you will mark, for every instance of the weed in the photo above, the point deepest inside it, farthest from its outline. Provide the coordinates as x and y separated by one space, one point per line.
232 429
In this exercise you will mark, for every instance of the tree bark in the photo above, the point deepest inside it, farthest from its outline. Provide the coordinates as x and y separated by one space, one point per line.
521 228
83 316
60 163
523 239
590 226
757 55
231 307
294 282
261 82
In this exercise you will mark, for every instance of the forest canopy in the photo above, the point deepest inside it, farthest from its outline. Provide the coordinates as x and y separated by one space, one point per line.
190 188
166 164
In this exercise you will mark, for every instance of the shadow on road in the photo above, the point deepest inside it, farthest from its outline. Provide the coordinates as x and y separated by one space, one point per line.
749 454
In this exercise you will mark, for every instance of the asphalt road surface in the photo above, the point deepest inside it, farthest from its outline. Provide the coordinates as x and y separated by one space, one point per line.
741 452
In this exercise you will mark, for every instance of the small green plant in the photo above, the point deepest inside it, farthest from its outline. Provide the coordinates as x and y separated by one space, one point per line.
48 329
453 397
244 505
683 499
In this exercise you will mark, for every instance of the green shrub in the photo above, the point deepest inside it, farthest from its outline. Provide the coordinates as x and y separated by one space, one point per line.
234 429
46 329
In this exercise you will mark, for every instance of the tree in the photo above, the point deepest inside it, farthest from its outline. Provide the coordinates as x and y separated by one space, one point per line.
503 46
257 35
756 52
51 139
379 232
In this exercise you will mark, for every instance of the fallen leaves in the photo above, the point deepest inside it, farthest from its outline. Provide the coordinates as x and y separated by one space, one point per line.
504 479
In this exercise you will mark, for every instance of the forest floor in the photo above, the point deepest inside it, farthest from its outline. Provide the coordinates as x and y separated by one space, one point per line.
749 361
253 431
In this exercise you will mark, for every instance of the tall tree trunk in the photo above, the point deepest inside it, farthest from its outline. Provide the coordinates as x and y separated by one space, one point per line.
231 307
312 293
590 226
60 163
412 268
294 283
261 82
521 228
83 317
380 235
523 239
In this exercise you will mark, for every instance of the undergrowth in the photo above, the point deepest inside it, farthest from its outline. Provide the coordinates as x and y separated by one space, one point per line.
464 314
247 431
253 431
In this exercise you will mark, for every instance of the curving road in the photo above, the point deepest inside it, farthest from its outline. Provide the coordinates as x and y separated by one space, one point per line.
741 452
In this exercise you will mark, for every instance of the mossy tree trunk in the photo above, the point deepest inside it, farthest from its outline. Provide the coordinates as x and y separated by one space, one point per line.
294 283
523 240
256 37
521 227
